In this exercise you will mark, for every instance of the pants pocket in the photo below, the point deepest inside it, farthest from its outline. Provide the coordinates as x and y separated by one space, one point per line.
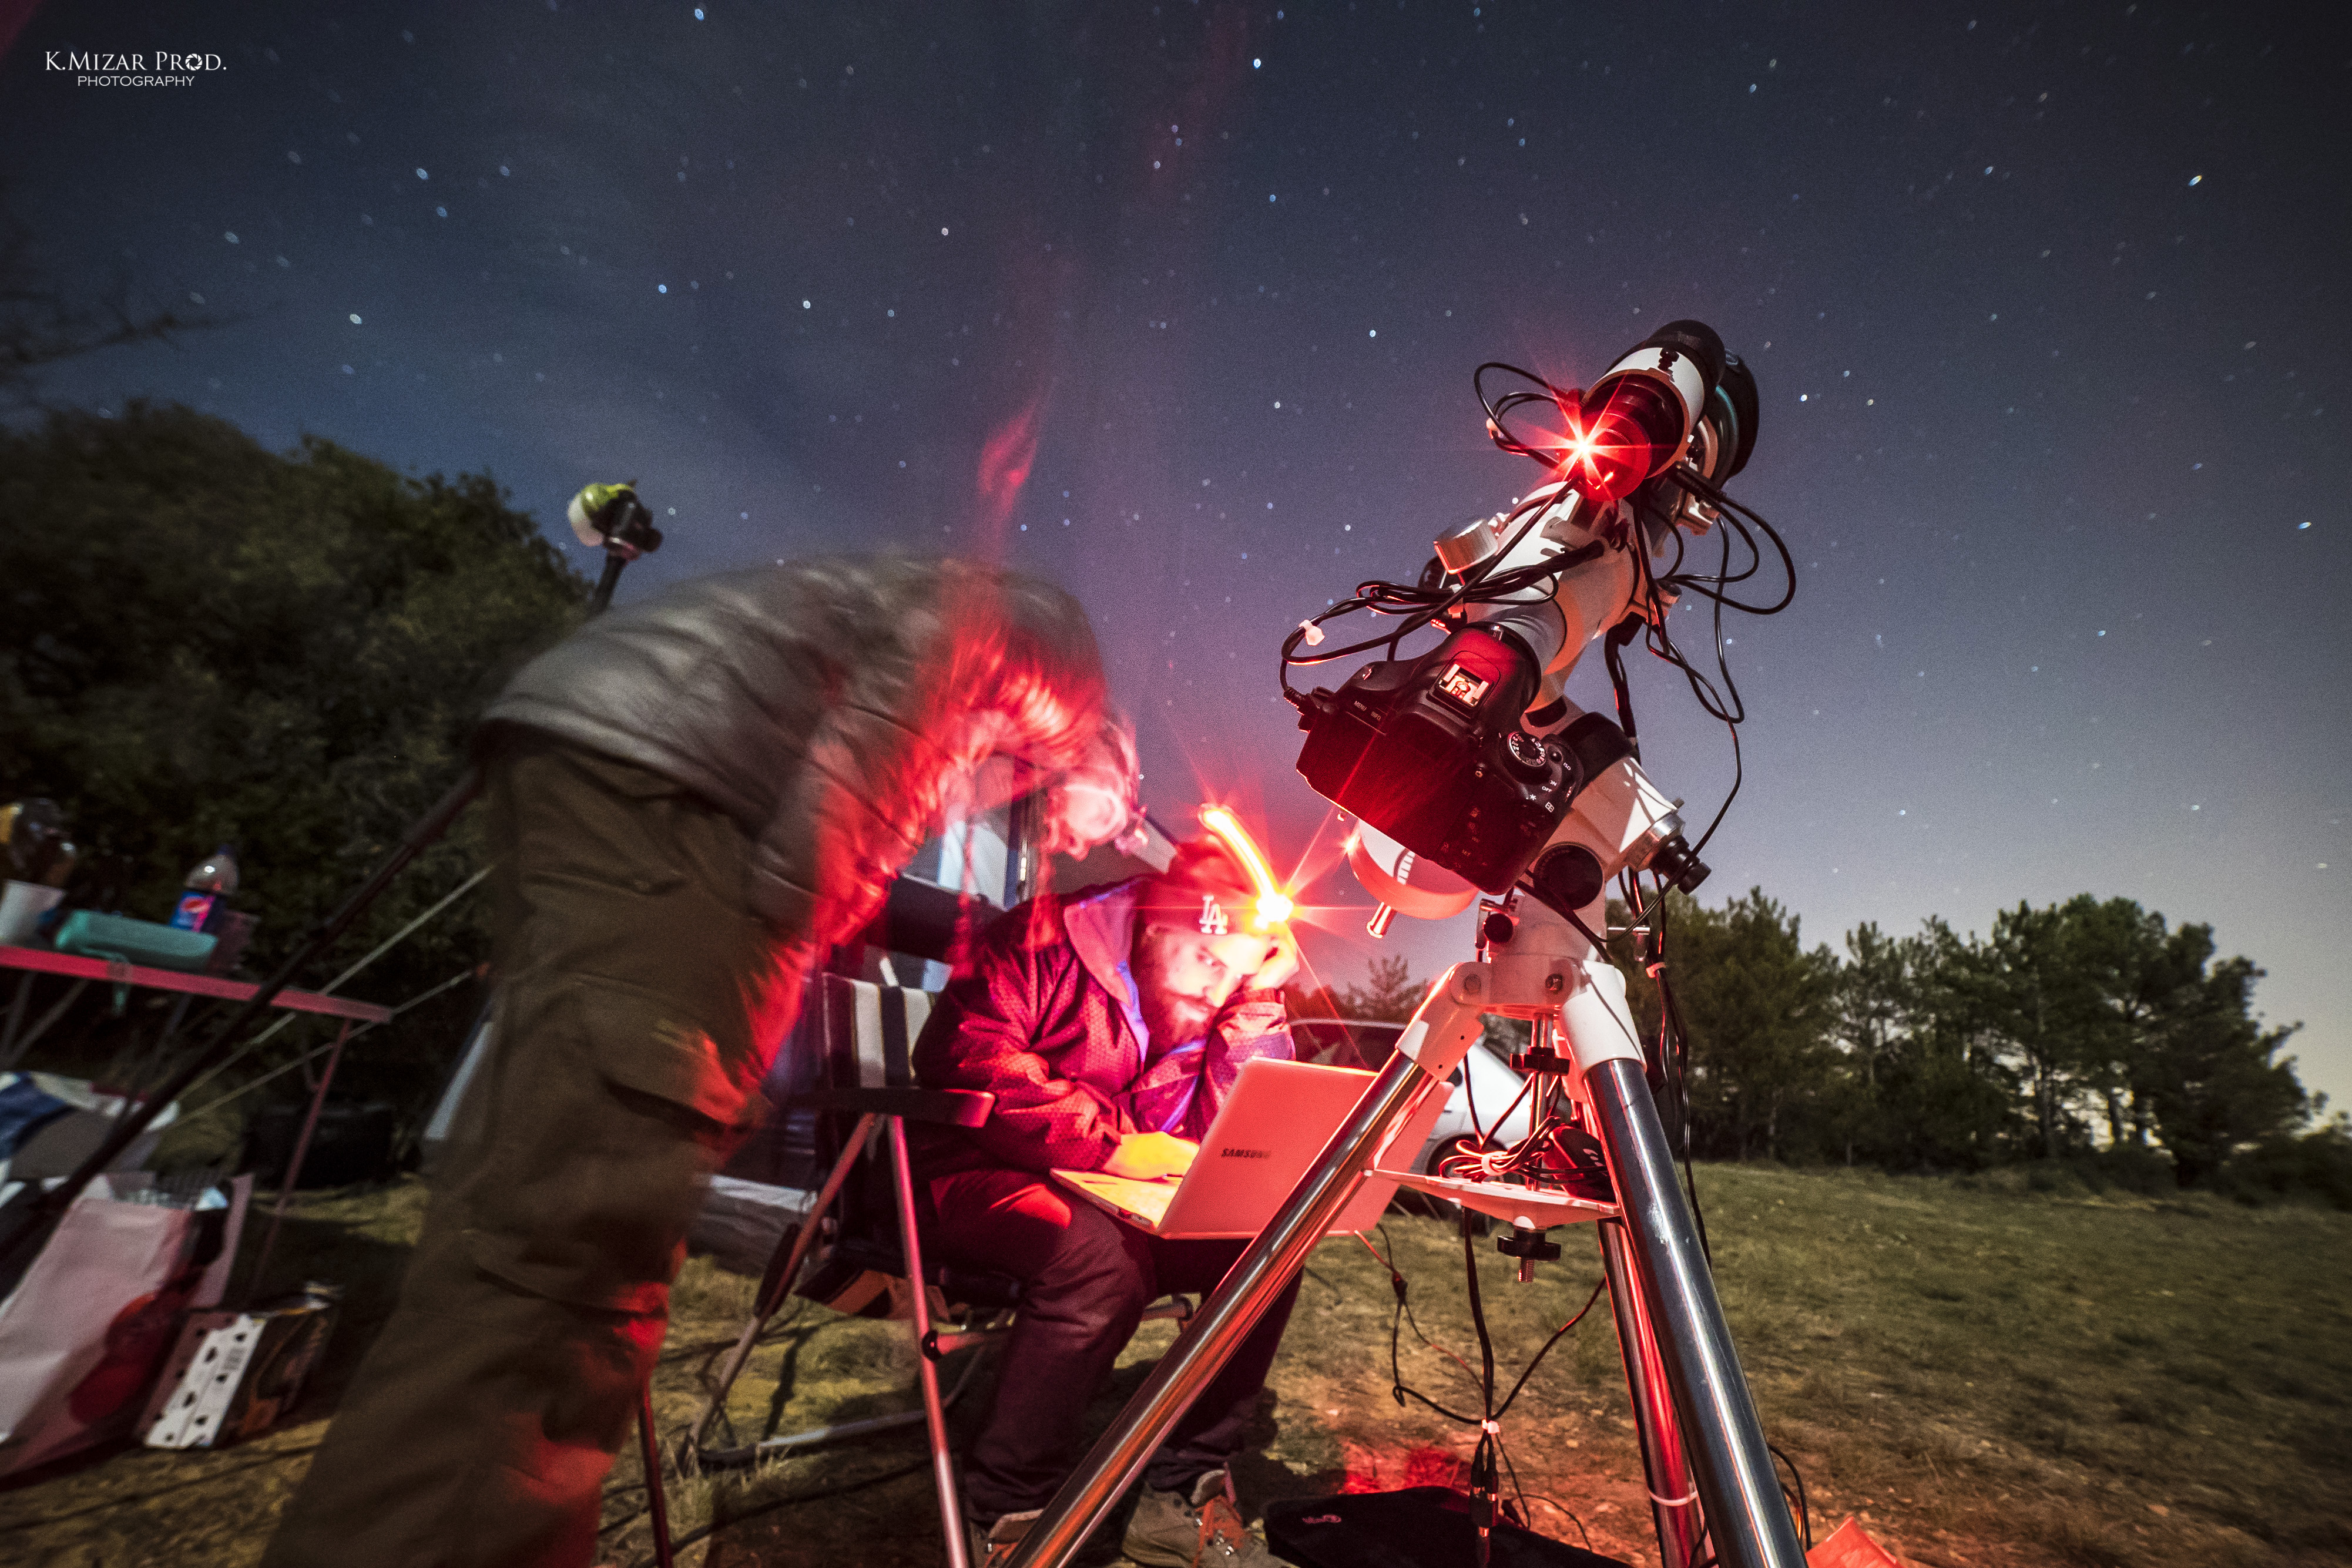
613 1109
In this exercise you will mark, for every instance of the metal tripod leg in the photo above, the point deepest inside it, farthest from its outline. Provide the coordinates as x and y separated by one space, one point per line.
927 1371
1439 1034
294 1161
1674 1501
804 1235
1751 1526
649 1453
1748 1521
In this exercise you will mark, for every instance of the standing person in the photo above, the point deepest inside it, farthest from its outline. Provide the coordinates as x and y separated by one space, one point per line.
1110 1026
689 799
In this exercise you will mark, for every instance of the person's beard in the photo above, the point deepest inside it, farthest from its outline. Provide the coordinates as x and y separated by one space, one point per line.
1170 1018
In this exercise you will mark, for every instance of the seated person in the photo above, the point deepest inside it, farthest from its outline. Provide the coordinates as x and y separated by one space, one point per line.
1109 1025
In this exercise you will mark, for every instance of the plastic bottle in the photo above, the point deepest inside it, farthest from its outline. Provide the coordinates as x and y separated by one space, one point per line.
214 879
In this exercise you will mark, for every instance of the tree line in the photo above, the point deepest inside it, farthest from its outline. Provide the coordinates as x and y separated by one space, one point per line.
205 641
2093 1032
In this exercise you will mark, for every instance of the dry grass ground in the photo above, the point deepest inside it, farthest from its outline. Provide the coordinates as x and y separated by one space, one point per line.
1992 1377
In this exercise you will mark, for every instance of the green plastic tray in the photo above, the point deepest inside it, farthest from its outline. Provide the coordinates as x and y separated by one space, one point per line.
144 942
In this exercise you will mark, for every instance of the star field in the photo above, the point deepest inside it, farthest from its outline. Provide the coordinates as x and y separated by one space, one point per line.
1177 305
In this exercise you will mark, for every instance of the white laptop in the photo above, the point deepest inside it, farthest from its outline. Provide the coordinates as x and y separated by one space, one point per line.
1275 1122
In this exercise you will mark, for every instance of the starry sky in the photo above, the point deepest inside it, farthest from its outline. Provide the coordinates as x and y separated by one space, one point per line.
1177 305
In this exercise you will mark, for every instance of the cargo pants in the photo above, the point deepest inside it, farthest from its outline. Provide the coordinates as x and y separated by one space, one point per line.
639 994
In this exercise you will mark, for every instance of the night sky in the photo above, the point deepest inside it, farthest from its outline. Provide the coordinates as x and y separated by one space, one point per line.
2046 304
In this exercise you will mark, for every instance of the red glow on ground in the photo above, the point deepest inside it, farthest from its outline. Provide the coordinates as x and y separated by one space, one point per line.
1385 1470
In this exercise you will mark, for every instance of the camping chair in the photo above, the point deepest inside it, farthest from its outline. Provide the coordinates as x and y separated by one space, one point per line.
864 1035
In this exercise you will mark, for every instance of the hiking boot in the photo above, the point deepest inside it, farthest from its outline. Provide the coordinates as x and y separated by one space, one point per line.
1200 1528
992 1544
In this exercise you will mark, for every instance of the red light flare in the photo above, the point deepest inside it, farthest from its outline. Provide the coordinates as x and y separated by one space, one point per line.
1628 438
1005 459
1274 904
1243 800
1604 457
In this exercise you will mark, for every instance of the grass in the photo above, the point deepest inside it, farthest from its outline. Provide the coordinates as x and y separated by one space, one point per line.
1985 1374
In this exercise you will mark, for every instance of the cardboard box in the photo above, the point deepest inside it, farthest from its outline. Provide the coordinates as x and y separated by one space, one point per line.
234 1374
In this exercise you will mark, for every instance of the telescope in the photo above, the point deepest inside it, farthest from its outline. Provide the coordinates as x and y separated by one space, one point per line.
1474 778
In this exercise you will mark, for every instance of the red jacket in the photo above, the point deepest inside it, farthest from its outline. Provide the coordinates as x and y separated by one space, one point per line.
1043 1017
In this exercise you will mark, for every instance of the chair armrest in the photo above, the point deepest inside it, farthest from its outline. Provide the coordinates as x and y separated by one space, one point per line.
945 1107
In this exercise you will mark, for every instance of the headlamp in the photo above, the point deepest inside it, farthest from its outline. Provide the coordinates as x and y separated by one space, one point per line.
1272 906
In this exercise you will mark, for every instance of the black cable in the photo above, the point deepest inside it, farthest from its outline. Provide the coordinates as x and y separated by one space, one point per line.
1691 482
1398 1388
1486 1483
1556 1336
1485 1165
1571 1517
1738 776
1490 1441
1518 1515
1804 1510
1494 411
1599 944
1676 1046
1470 1094
1421 607
1674 1040
1478 1319
1612 654
1651 592
693 1537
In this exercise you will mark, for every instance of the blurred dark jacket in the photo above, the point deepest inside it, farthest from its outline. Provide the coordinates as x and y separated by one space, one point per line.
1044 1016
820 705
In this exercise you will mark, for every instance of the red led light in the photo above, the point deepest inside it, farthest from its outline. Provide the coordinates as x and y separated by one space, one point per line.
1273 906
1616 442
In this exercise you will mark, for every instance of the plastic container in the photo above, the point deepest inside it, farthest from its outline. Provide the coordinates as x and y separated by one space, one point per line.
144 942
21 908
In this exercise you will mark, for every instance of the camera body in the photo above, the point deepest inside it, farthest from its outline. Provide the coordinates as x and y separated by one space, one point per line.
1433 752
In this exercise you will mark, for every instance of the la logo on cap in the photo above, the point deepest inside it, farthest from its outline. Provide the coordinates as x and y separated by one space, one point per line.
1213 918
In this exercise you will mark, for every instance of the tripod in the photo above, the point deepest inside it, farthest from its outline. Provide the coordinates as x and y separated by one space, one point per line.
1710 1475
